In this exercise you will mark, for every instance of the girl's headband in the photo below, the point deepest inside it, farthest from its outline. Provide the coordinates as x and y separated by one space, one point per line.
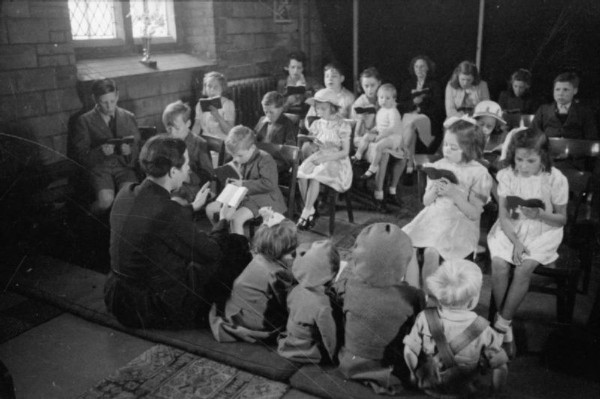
453 119
270 217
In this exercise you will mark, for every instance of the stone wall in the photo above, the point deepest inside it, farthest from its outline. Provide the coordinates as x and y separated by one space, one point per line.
37 74
42 84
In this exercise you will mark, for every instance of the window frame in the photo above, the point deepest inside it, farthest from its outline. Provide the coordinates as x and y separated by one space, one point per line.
125 44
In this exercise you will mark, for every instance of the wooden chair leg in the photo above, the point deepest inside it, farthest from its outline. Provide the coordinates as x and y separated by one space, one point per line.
333 196
349 206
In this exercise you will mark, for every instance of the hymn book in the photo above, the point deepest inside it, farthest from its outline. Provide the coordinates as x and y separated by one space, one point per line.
436 174
291 90
364 110
205 103
232 195
513 201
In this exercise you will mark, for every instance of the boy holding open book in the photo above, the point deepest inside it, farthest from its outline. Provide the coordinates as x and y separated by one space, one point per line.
255 182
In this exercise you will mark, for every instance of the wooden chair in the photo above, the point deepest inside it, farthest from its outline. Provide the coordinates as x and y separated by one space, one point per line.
146 132
575 155
564 273
290 155
332 197
215 145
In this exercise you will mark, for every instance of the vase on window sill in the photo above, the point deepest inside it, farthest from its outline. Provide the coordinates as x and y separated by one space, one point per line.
146 41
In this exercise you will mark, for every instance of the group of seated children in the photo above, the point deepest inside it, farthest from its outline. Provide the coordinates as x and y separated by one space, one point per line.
365 317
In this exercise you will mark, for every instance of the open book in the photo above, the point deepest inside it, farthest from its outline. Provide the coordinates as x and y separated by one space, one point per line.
121 140
436 174
205 103
513 201
365 110
232 195
290 90
425 91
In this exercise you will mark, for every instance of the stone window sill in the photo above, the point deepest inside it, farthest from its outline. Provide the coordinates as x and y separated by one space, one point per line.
88 70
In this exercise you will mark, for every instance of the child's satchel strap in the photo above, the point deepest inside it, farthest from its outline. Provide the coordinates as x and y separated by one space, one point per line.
437 333
469 334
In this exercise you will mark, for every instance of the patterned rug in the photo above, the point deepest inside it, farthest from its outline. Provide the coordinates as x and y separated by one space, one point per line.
169 373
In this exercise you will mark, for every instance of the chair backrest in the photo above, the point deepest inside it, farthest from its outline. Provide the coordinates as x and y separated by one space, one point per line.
146 132
291 155
561 148
526 120
579 189
215 145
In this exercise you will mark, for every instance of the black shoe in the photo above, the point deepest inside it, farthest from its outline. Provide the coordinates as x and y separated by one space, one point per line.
380 206
302 224
393 199
367 176
311 221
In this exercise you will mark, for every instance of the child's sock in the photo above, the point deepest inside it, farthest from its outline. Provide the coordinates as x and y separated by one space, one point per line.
379 195
392 190
501 324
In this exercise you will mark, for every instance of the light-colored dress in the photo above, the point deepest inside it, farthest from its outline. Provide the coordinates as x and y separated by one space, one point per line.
336 174
541 239
441 225
210 126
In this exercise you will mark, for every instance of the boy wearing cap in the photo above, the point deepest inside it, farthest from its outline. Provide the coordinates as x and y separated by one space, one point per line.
566 117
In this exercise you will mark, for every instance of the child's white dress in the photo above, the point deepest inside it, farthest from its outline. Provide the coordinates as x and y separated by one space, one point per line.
441 225
336 174
541 239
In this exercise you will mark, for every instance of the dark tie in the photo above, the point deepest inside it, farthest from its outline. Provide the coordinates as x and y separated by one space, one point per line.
112 125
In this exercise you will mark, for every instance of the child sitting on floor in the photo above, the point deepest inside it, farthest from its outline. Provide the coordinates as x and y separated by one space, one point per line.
257 172
218 121
448 226
449 348
257 309
176 118
311 333
378 306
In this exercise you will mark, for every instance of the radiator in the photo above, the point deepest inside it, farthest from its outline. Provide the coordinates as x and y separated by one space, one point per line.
247 94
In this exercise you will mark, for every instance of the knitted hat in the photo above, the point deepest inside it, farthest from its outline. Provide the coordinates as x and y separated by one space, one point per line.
325 96
312 266
489 108
381 255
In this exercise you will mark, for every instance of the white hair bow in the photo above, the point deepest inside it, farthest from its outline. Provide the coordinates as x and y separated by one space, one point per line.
453 119
270 217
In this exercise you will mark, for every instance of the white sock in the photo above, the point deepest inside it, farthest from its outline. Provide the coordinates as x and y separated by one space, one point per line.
378 195
393 190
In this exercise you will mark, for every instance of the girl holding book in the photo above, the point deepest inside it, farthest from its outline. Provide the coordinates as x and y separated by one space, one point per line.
448 226
329 163
420 102
465 90
210 119
517 99
525 237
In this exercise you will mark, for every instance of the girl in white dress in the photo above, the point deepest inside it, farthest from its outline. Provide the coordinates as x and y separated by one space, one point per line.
525 237
448 226
329 163
216 122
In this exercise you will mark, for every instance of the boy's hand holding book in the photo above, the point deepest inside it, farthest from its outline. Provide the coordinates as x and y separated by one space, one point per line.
232 195
125 149
108 149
